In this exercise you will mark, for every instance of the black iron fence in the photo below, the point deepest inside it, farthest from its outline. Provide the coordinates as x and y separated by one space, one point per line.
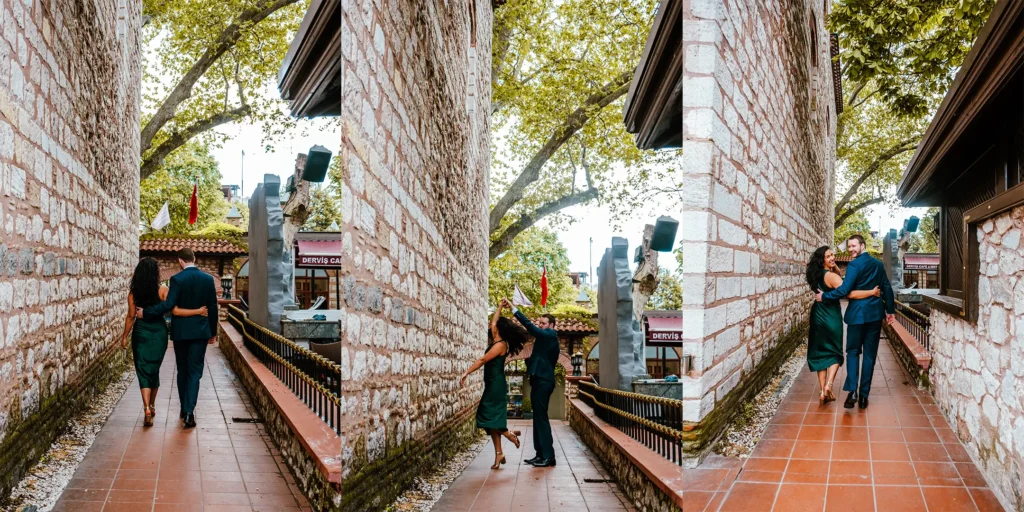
314 379
655 422
915 322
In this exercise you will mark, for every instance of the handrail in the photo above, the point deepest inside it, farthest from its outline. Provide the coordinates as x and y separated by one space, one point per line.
656 422
313 378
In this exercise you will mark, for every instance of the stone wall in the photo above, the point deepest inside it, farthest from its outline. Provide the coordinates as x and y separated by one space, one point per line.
69 188
758 129
977 370
415 168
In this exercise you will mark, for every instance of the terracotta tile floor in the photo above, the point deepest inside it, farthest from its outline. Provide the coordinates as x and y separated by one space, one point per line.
218 466
518 486
898 454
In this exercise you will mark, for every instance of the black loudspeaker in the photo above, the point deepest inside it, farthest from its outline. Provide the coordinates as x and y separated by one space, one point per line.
664 236
911 225
317 161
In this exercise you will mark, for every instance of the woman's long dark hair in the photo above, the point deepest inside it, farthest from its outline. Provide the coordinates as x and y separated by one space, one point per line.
145 285
816 268
511 334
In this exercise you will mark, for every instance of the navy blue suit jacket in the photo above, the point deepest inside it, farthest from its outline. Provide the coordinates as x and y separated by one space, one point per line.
190 289
544 357
864 273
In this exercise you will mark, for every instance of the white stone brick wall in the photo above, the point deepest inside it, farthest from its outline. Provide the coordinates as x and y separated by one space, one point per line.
757 181
977 370
69 187
416 158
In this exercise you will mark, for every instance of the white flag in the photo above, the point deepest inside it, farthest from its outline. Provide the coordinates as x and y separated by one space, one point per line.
162 219
519 298
842 246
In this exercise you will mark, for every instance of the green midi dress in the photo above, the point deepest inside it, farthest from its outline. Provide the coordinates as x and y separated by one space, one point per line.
825 336
149 344
492 413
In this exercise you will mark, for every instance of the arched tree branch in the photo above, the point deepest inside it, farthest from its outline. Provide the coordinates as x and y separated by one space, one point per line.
154 160
573 123
856 208
900 147
225 41
527 220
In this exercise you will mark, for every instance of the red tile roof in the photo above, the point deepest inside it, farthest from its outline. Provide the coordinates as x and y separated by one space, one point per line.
571 326
199 245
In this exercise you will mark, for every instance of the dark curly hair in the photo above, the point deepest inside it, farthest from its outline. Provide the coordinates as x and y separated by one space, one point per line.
816 268
511 334
145 285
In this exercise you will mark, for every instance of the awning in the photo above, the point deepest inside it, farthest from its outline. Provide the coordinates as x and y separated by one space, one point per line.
319 254
668 330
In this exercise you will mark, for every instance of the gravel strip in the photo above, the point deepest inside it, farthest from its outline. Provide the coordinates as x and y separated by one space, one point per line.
46 480
425 491
747 429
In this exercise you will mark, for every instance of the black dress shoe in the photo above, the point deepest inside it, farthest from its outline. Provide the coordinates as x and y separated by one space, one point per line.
190 420
850 400
863 404
181 415
533 460
544 463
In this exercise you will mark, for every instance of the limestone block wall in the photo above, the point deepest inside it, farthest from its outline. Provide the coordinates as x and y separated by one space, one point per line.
977 370
758 130
69 188
415 166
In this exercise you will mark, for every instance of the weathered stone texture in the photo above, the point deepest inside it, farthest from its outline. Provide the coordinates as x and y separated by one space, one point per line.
69 185
415 157
977 370
758 130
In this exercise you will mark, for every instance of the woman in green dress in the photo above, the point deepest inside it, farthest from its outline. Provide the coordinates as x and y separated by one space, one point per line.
505 338
149 337
825 336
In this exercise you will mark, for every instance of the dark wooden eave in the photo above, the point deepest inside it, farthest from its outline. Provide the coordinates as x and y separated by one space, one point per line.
310 76
991 63
654 105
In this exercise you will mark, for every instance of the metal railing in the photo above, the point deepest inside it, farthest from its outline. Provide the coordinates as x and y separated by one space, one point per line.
314 379
914 321
655 422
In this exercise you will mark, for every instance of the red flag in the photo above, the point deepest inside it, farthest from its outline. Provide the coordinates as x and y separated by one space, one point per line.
193 208
544 287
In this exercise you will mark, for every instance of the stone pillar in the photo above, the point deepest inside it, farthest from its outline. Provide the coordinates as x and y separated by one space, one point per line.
615 318
270 260
892 261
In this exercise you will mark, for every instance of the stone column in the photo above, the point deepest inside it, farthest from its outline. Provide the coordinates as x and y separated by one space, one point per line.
270 260
615 318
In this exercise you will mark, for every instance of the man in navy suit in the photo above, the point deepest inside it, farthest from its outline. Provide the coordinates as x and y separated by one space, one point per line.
863 318
540 366
191 288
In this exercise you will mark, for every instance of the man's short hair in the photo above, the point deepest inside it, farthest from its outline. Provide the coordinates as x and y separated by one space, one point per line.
857 238
551 319
185 254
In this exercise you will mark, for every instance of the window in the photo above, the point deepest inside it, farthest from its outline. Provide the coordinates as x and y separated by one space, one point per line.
310 284
814 39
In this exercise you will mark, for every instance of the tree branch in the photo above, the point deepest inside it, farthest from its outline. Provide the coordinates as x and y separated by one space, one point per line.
152 163
876 164
225 41
859 206
527 220
611 91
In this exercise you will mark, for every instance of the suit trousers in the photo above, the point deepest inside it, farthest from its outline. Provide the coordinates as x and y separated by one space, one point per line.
861 349
540 395
189 358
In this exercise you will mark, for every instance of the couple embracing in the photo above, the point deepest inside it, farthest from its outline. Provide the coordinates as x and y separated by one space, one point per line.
865 285
192 302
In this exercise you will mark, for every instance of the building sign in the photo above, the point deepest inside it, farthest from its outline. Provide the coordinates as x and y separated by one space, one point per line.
665 336
308 260
911 266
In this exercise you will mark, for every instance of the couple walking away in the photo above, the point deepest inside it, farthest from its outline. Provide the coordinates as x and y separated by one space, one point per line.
866 284
192 302
505 338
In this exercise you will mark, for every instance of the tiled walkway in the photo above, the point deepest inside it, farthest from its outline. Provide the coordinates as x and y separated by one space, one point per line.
218 466
898 454
518 486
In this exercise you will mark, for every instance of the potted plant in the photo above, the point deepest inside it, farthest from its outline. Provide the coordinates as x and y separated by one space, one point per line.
527 408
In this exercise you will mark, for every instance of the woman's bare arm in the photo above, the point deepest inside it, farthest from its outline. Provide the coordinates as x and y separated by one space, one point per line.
863 294
496 350
177 311
129 320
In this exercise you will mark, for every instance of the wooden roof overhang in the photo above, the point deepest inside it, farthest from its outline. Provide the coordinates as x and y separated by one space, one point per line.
310 76
654 104
992 63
